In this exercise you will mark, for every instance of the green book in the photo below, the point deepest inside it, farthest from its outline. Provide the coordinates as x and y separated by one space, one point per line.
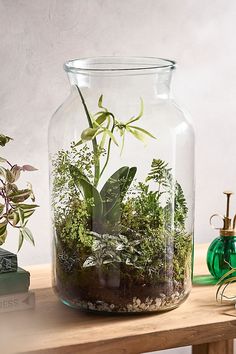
8 261
14 282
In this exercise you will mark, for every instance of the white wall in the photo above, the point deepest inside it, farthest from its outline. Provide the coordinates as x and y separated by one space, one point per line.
37 36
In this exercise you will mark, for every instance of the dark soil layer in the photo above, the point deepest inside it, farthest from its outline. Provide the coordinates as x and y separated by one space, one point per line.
116 292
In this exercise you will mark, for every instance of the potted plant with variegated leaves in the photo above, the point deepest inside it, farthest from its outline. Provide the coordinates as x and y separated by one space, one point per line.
16 205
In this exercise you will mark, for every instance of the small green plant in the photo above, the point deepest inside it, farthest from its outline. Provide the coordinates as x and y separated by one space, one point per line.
15 209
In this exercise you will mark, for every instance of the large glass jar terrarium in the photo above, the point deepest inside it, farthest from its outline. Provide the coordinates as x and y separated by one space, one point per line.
122 188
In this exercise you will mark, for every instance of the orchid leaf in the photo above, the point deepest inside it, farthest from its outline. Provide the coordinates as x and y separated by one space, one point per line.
93 198
77 173
90 193
115 189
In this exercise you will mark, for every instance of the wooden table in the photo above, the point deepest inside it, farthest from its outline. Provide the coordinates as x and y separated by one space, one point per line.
56 329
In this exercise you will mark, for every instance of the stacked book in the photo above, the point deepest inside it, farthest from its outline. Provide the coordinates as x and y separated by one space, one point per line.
14 284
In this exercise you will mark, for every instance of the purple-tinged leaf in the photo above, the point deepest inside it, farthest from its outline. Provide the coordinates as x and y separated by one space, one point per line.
28 168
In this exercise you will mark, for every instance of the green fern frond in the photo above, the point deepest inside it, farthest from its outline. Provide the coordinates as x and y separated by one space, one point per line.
181 208
160 173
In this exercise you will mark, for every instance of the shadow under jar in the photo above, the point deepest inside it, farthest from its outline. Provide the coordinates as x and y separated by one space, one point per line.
122 188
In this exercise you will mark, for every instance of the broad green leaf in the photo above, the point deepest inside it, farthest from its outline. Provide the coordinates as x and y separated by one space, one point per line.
143 131
91 194
113 215
114 191
92 197
130 177
114 212
113 187
76 173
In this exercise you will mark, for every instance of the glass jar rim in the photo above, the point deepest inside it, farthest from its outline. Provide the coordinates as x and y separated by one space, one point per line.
109 64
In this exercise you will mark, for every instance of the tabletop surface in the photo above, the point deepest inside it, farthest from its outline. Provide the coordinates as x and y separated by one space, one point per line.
55 328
